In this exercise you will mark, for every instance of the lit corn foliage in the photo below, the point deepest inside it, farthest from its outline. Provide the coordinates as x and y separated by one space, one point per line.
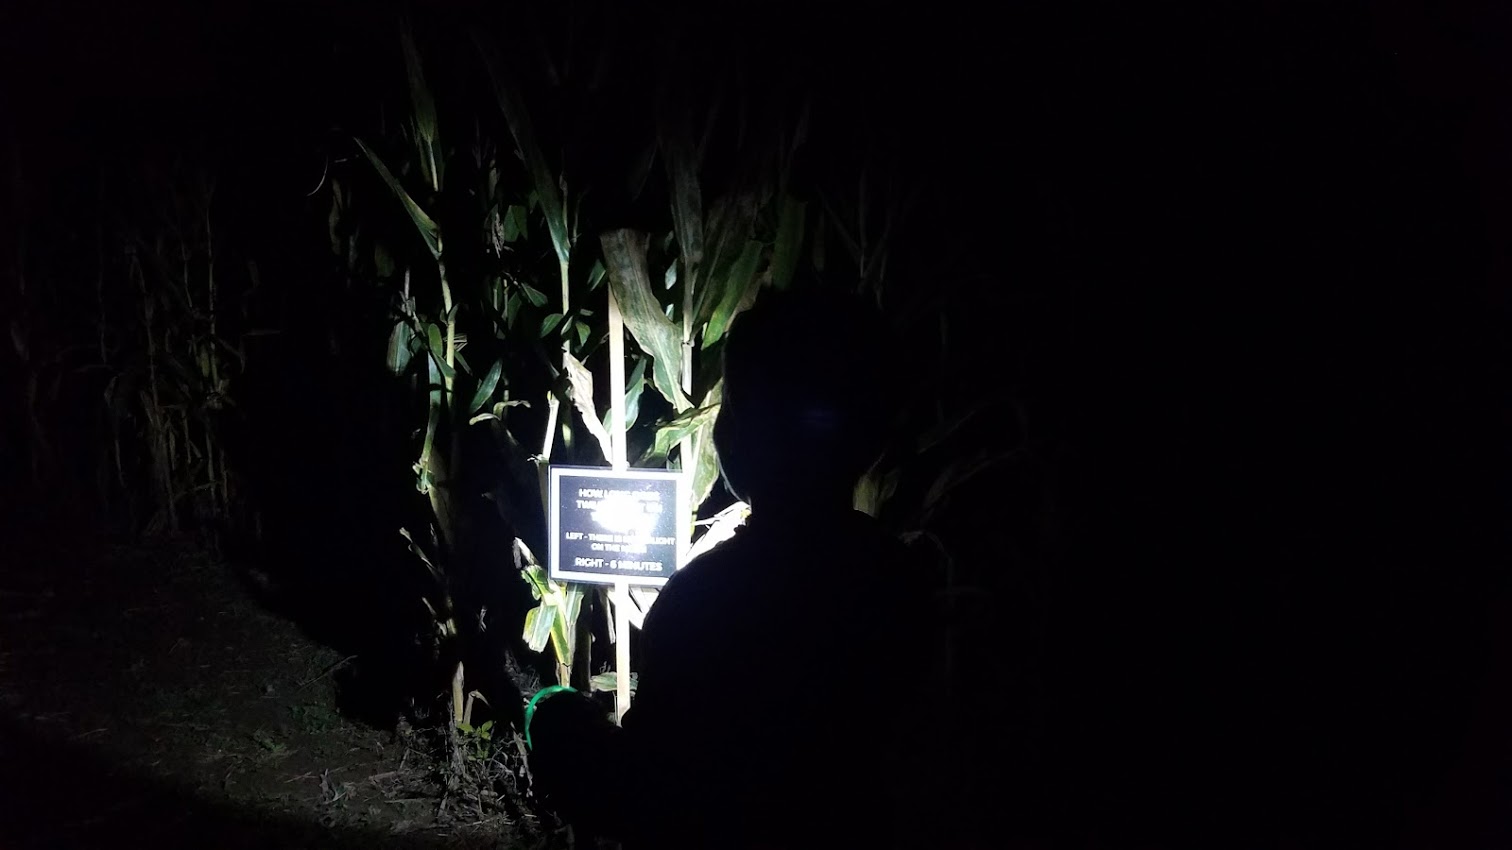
499 304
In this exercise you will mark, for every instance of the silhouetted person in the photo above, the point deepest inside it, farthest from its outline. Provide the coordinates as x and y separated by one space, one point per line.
775 670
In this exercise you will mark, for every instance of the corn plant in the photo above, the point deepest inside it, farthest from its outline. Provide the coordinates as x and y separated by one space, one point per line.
496 220
173 354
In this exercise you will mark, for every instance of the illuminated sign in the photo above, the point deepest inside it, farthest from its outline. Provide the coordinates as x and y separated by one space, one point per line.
618 525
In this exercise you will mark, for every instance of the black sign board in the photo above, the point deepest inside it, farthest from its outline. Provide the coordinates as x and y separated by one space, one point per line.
618 525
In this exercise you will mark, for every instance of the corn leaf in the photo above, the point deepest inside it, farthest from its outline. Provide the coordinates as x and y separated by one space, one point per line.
513 225
739 292
681 160
550 323
722 526
565 624
673 431
515 115
633 387
399 347
538 626
653 331
705 461
429 230
581 388
536 297
486 387
438 351
731 225
424 105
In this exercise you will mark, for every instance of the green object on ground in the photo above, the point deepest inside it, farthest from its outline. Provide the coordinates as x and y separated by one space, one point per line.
530 707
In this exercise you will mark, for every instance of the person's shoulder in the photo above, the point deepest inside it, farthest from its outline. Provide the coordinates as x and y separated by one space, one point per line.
708 572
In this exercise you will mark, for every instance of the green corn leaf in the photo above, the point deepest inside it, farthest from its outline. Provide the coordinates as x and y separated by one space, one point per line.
550 323
610 682
731 225
486 387
515 115
514 223
438 351
539 622
511 309
581 388
595 275
562 630
424 105
582 333
633 392
789 241
673 431
739 293
705 461
537 297
681 159
633 387
625 259
401 341
429 230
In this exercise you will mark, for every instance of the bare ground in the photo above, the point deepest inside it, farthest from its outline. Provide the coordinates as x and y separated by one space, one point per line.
147 700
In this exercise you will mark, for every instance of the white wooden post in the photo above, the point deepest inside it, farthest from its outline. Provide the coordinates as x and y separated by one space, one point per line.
622 601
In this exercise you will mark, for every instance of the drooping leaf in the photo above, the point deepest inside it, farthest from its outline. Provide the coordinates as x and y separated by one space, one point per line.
625 258
706 461
550 323
722 526
424 106
563 629
537 297
874 490
429 230
673 431
730 227
518 119
582 332
511 308
681 159
399 347
438 351
633 387
610 682
514 223
739 291
581 387
539 622
486 387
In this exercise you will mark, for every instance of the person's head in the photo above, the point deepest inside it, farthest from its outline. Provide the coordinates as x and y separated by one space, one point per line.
803 412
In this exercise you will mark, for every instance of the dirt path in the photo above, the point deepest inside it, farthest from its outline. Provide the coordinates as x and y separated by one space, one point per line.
146 700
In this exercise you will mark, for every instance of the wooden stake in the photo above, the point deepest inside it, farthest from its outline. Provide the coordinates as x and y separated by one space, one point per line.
622 605
622 601
617 382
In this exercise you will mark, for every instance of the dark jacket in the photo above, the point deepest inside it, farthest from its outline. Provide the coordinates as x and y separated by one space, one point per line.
771 708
